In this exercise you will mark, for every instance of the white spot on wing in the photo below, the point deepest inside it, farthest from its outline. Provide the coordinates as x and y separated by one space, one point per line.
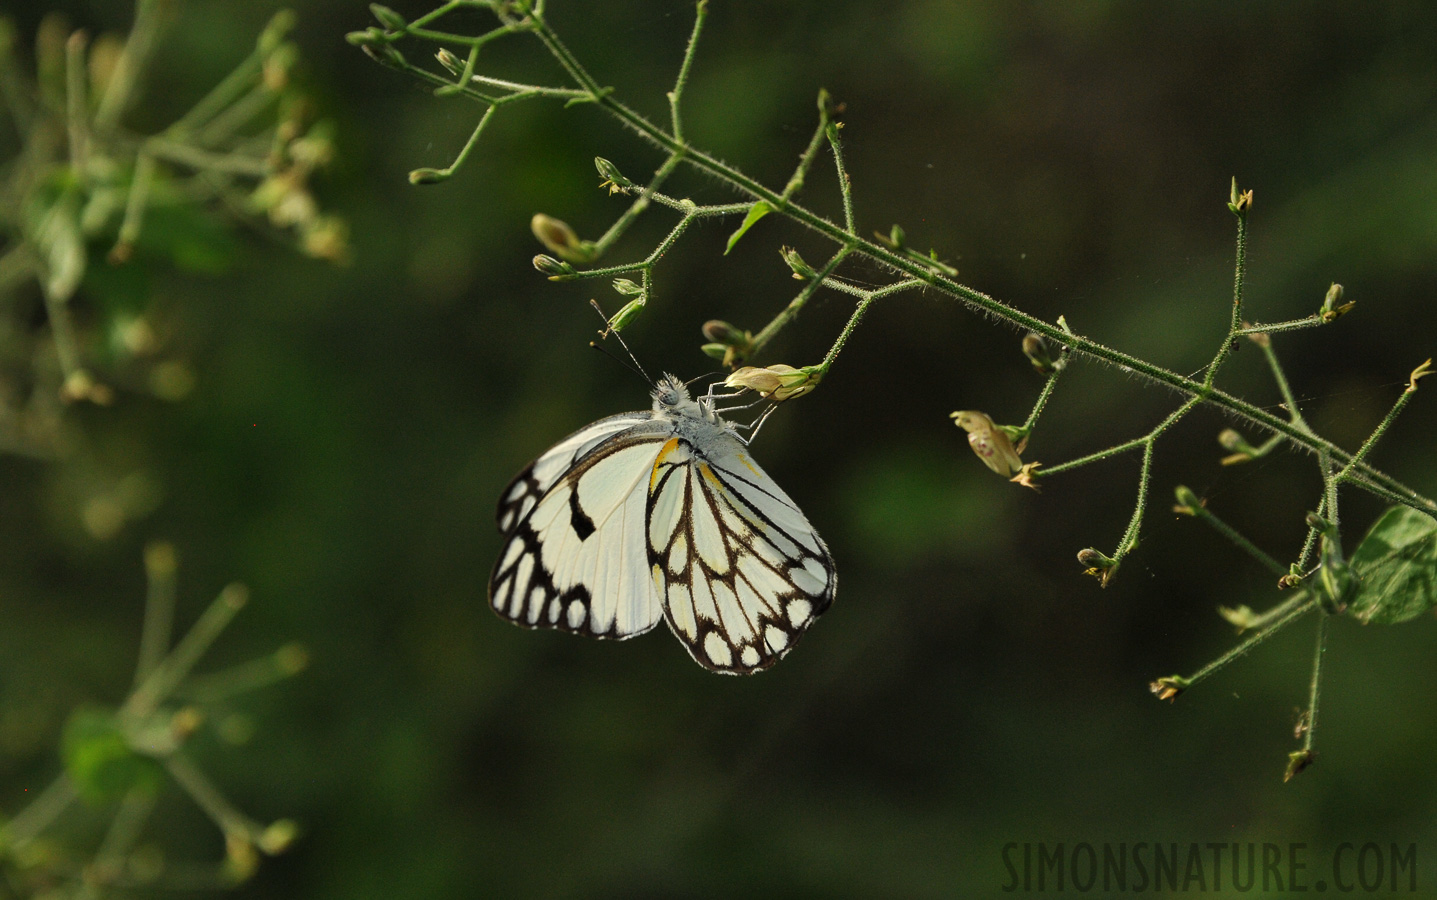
807 582
678 554
798 612
718 651
732 617
749 656
523 571
681 608
576 614
776 639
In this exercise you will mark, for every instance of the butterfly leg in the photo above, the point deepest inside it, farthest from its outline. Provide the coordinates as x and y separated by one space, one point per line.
753 427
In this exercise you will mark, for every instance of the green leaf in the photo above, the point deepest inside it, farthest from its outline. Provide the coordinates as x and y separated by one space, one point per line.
1397 565
755 212
99 760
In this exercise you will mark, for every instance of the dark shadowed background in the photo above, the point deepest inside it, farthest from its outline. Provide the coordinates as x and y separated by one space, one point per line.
351 429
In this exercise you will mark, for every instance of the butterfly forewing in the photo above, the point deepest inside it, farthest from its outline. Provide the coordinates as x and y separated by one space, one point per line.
530 485
741 570
576 557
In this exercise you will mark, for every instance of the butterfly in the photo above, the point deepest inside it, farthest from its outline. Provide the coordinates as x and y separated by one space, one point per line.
657 514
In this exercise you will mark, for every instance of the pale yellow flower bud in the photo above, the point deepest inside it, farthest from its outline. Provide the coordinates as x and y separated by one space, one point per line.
989 442
776 382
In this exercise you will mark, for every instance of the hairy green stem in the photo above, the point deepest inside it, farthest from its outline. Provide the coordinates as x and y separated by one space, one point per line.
845 184
1290 401
676 95
797 303
1316 684
865 300
1311 321
1238 279
1292 614
1046 393
1201 512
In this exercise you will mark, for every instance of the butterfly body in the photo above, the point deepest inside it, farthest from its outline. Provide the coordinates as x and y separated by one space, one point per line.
661 514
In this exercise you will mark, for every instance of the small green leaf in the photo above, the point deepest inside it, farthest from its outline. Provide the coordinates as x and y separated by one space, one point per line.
755 212
1397 565
99 760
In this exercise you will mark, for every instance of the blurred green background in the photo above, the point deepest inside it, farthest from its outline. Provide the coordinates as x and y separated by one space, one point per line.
351 428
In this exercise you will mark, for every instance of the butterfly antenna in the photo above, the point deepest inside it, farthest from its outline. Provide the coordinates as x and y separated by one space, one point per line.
632 363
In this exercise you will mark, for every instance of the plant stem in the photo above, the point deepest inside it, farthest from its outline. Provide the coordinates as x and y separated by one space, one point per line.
845 185
1290 401
1238 278
1311 321
37 816
791 311
676 95
167 676
1296 612
1375 436
1046 393
863 303
1232 534
1316 680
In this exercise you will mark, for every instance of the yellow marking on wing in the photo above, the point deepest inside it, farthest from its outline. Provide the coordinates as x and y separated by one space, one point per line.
744 459
669 447
710 477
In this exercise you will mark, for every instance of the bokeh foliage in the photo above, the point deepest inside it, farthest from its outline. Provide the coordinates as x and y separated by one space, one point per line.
349 430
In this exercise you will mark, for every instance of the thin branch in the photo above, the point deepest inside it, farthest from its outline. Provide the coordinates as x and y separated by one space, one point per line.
790 312
676 95
845 184
864 302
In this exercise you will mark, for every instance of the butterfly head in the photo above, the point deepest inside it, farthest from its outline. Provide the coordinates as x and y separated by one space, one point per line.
671 398
669 394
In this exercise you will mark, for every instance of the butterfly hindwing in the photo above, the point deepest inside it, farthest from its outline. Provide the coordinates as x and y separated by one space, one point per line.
575 556
741 570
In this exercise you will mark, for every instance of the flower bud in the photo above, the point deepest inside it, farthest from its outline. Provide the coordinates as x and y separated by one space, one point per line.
1096 559
627 288
388 17
1242 451
614 180
560 239
1169 687
381 51
716 351
427 175
990 442
1239 203
1027 476
777 382
1100 565
278 836
721 332
448 60
896 239
629 313
556 270
1036 349
1242 617
1418 373
276 30
1332 305
801 270
1188 502
1297 762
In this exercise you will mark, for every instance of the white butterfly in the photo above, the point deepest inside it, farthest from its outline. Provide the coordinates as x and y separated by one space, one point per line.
661 513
